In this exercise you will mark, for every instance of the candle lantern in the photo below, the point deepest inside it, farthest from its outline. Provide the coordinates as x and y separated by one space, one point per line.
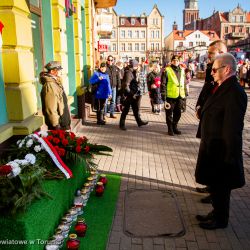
81 227
103 179
99 189
73 243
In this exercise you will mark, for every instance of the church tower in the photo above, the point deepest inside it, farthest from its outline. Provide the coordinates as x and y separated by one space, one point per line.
190 14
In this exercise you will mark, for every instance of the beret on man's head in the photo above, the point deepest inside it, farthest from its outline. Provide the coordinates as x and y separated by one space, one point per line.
175 57
53 65
133 63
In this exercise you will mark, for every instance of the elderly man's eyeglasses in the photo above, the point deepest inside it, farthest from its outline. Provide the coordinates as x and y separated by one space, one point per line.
110 60
214 70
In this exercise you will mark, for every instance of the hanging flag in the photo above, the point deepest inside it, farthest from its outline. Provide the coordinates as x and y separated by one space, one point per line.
1 29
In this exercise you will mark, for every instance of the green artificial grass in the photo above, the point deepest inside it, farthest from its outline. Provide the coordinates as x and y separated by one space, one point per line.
99 214
41 218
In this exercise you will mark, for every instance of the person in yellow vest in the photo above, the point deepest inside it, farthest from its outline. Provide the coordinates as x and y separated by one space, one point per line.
173 93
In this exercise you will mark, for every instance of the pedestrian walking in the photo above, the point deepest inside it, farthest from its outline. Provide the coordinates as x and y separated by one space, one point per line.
132 93
115 82
54 100
220 163
173 92
102 91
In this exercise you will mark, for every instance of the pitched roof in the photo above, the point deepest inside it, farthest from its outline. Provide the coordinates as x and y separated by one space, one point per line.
177 34
128 23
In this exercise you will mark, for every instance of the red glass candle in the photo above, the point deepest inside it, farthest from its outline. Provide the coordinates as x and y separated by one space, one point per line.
73 243
103 179
99 189
81 227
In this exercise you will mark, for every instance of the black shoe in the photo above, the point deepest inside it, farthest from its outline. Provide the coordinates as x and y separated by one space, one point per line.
177 131
141 123
203 218
112 116
170 132
123 128
202 190
101 122
213 224
206 199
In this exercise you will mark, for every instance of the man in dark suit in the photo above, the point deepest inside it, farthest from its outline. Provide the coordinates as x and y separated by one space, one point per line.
214 49
219 163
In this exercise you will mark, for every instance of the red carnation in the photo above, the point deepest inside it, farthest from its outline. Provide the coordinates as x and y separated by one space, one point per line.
61 151
5 170
49 138
65 142
54 132
79 141
56 140
78 149
87 148
72 135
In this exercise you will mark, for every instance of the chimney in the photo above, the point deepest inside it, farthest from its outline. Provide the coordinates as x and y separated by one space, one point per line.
175 26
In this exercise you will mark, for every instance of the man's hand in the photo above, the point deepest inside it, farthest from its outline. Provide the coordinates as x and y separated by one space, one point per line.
100 77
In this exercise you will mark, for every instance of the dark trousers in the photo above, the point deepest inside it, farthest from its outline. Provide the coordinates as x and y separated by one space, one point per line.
173 114
134 103
99 104
221 203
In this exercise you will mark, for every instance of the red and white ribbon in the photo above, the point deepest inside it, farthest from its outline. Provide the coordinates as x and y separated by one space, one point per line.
49 148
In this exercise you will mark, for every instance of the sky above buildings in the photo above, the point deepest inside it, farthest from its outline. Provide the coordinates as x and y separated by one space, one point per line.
172 9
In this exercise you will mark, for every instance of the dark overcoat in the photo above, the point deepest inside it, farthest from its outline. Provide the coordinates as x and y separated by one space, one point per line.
220 161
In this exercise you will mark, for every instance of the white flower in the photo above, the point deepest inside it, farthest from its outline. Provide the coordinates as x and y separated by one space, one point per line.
37 148
24 162
16 171
29 143
43 133
20 145
18 142
13 164
30 158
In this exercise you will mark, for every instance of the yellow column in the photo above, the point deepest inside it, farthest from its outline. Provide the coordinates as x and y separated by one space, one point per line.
78 43
89 35
18 66
60 38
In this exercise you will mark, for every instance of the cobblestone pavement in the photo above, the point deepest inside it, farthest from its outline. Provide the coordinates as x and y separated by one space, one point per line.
148 158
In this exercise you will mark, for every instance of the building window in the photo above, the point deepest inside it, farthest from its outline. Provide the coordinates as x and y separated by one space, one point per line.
122 33
130 47
191 44
240 29
233 29
155 21
113 34
241 19
152 46
180 34
137 34
233 19
143 47
180 44
247 30
143 34
157 34
137 47
157 46
129 33
226 30
123 47
122 21
113 47
132 21
142 21
152 34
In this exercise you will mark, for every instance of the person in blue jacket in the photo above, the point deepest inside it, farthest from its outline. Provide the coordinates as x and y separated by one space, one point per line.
101 87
